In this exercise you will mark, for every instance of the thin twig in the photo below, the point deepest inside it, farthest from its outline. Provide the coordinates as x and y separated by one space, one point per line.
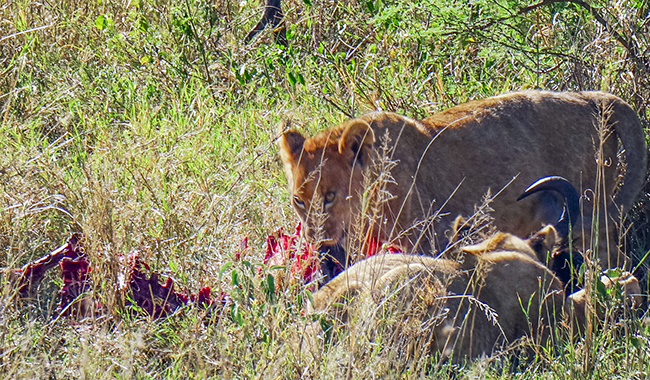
327 99
24 32
627 44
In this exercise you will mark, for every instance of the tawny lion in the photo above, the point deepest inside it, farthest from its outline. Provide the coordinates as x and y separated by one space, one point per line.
454 158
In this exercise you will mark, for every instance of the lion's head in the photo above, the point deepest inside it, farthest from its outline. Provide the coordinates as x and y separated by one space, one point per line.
325 176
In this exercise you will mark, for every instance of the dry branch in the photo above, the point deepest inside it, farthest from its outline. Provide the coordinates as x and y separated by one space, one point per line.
272 15
629 45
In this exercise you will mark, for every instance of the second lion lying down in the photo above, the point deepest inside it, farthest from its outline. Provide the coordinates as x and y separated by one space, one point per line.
472 302
462 310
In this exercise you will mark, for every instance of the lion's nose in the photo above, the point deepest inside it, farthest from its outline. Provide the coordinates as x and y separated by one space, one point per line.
318 237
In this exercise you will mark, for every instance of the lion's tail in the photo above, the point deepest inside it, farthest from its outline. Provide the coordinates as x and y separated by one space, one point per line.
633 138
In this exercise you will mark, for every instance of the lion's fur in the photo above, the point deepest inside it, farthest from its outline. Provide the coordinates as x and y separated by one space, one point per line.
467 151
447 306
490 295
628 286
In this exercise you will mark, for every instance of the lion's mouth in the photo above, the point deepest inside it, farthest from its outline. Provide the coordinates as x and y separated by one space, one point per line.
333 258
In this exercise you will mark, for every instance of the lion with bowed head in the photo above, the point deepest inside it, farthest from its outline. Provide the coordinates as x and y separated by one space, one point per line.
444 165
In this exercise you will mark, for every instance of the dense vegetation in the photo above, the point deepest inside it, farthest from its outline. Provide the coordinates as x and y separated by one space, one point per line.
150 125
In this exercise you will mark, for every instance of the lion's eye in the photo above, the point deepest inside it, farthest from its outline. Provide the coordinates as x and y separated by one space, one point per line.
300 203
329 197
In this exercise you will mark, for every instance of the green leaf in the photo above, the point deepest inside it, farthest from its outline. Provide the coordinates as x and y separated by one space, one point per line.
242 75
101 22
235 278
614 272
370 5
581 274
292 78
143 24
310 297
269 63
270 280
236 316
600 287
269 288
224 268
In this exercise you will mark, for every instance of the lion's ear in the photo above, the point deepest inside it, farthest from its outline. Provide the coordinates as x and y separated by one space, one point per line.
290 143
458 230
543 242
356 136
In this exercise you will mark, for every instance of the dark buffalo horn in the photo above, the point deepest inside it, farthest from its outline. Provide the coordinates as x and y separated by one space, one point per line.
571 200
